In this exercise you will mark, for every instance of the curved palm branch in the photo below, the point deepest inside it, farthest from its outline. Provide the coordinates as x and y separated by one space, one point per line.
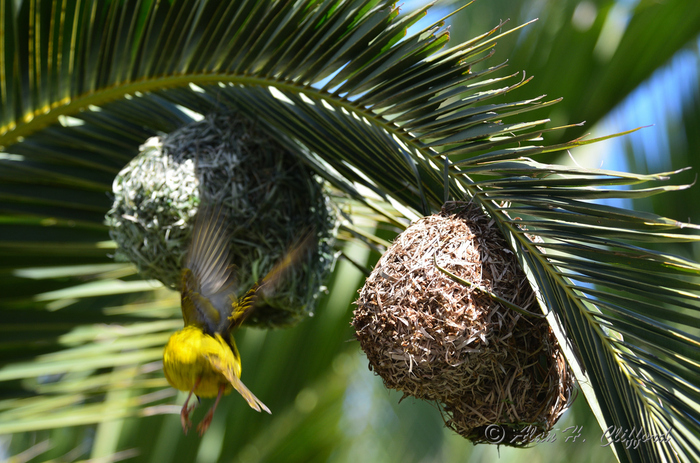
82 84
600 48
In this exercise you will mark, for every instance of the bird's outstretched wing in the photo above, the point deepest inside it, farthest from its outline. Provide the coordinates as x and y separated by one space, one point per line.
243 306
207 277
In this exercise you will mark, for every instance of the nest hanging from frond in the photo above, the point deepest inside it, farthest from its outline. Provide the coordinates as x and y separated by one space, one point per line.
271 199
439 340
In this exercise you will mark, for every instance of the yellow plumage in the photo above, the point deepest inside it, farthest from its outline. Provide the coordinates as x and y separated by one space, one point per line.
187 360
202 358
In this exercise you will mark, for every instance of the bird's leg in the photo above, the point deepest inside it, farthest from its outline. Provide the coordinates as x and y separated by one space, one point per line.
185 413
204 425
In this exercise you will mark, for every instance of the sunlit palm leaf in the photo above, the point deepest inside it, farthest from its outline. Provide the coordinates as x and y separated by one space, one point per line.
336 82
631 312
592 53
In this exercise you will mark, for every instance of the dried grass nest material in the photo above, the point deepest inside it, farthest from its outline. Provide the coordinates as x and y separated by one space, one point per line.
270 197
438 340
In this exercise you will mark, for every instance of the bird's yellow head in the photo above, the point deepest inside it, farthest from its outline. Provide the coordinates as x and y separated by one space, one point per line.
193 358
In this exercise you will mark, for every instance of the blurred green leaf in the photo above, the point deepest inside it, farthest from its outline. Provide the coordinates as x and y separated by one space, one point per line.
393 124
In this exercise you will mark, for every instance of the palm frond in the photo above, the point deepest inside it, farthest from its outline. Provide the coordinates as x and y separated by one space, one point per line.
81 86
608 49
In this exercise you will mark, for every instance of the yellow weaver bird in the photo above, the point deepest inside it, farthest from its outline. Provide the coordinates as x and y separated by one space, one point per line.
202 358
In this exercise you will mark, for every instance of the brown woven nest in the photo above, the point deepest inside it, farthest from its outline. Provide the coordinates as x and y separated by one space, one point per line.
498 375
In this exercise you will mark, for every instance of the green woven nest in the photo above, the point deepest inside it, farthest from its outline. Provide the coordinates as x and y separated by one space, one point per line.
271 199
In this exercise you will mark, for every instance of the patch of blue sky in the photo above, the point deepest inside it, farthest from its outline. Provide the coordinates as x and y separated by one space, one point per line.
657 104
433 14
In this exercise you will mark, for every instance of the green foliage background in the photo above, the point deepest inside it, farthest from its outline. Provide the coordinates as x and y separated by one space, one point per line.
80 345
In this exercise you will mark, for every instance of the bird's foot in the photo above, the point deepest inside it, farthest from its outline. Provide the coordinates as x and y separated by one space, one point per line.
185 417
186 411
204 424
